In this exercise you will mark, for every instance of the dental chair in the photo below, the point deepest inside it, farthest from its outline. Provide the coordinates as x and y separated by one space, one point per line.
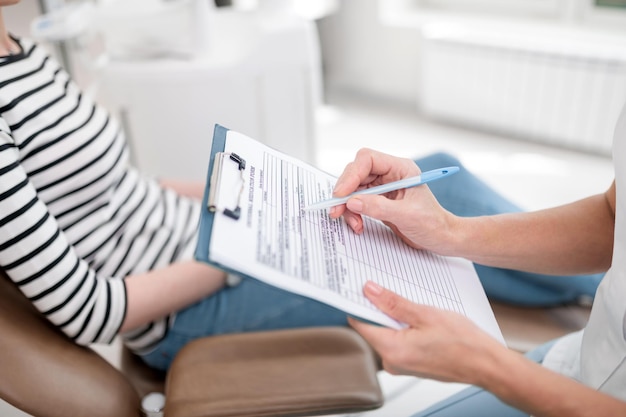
315 371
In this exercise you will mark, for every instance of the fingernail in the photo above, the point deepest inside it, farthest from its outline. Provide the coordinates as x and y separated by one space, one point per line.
355 205
373 288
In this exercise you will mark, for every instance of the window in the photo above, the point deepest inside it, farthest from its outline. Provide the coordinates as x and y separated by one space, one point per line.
607 14
611 3
494 6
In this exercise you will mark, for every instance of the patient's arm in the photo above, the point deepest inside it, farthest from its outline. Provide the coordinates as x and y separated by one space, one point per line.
157 293
193 189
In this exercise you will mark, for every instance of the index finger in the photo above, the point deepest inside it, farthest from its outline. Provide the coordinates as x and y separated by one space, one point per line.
366 167
371 168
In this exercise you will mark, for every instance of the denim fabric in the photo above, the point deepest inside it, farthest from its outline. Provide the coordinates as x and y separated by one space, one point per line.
249 306
476 402
466 195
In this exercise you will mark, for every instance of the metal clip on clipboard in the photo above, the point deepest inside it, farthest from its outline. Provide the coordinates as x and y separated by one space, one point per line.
223 182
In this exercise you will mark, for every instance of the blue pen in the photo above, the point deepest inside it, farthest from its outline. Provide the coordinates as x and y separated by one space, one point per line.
385 188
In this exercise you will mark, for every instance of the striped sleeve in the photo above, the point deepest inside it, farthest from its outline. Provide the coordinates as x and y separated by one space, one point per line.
36 255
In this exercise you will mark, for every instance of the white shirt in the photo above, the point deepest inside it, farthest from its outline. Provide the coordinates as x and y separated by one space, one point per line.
596 356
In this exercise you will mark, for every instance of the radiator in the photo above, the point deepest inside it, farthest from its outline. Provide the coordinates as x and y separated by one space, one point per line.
550 88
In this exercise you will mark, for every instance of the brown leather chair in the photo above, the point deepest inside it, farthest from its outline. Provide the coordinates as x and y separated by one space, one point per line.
45 374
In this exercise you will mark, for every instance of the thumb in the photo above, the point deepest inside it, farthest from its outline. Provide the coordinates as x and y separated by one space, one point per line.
390 303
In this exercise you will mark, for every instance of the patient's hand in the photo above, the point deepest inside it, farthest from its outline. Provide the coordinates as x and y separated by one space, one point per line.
192 189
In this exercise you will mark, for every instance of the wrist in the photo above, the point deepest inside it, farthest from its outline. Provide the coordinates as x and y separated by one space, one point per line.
497 373
455 236
468 237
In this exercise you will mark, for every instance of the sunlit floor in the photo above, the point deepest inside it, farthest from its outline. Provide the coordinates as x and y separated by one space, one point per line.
532 175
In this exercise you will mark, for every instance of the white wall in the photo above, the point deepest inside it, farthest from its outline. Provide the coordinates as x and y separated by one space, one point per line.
362 55
392 50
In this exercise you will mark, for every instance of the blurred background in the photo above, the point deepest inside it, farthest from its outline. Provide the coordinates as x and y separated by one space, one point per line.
525 93
543 71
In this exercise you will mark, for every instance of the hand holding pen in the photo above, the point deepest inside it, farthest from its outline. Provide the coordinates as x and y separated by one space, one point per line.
410 182
412 213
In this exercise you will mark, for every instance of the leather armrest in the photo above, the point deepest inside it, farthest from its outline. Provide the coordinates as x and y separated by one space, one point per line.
44 373
295 372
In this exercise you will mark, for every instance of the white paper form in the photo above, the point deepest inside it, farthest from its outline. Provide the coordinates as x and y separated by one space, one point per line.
307 253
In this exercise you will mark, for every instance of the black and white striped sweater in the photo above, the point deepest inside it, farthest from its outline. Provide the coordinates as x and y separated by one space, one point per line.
75 219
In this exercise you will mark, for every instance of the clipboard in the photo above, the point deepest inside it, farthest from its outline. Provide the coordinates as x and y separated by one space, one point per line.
253 225
213 202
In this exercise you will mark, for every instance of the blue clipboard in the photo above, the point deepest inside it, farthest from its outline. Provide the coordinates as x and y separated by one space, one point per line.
206 216
208 210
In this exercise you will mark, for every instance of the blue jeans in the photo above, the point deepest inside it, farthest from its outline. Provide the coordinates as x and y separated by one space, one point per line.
249 306
466 195
476 402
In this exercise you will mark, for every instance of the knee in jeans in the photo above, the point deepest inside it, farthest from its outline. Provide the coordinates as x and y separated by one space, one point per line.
437 160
